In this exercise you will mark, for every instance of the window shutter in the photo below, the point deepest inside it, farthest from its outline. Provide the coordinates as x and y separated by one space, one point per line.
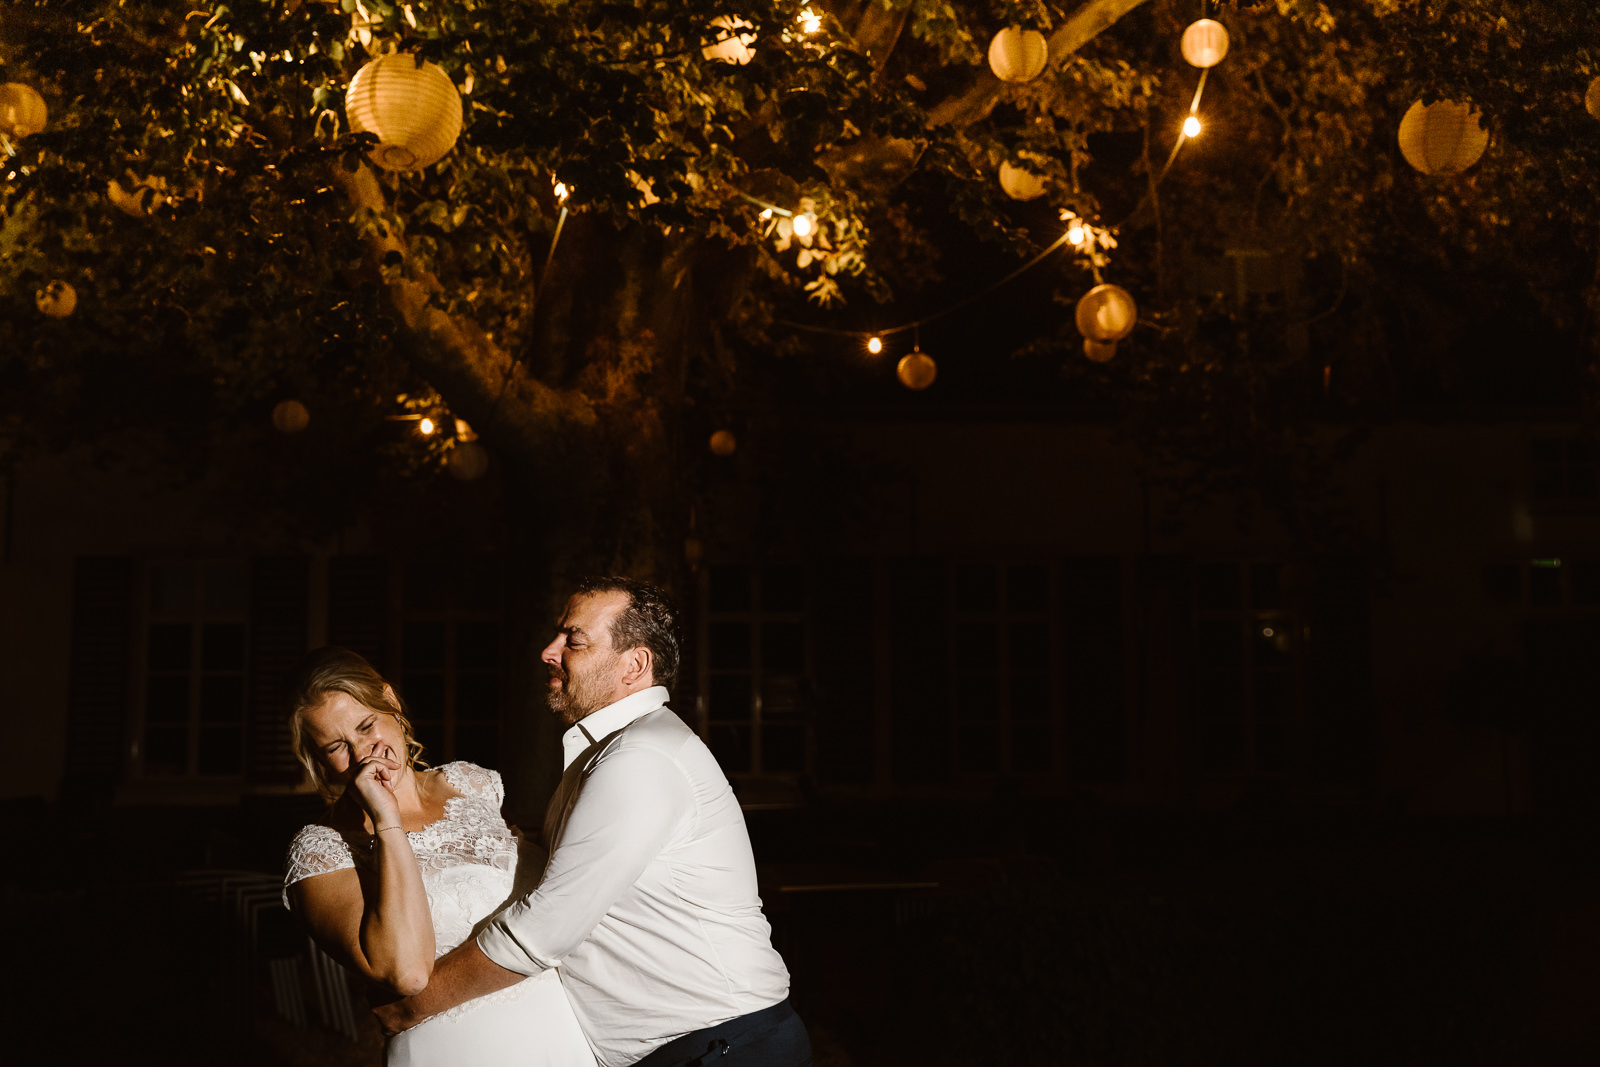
1342 732
358 606
843 661
97 688
919 657
278 605
1096 703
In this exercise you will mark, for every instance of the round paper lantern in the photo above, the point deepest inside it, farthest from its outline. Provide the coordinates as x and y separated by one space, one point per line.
1442 138
1106 313
139 196
1018 55
291 416
22 110
1591 99
58 299
414 111
468 461
723 443
916 370
734 45
1204 43
1020 184
1099 351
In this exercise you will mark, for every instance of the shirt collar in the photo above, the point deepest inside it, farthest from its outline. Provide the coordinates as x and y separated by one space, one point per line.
609 719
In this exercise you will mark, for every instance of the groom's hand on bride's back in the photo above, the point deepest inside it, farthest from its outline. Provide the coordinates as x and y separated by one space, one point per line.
385 1005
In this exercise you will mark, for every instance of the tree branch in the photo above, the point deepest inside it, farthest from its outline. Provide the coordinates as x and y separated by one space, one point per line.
1081 27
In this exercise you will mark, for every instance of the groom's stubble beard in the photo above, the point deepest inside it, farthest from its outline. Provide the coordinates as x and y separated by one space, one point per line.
582 693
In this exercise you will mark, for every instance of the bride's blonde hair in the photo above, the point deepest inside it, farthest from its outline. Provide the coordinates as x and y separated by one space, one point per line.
338 670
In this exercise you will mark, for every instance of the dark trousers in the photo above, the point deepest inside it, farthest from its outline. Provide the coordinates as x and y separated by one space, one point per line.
771 1037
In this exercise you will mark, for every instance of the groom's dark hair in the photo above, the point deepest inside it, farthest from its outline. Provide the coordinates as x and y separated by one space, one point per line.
649 621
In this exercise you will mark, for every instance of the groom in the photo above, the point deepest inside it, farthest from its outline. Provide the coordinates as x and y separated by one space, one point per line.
649 900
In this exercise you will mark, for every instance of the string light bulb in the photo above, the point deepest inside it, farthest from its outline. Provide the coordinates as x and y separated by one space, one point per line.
875 345
426 426
810 21
1076 233
1191 127
805 224
561 192
766 213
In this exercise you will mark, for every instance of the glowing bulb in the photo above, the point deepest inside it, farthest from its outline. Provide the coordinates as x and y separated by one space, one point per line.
561 192
810 21
766 213
425 426
1191 127
875 345
805 224
1266 631
1076 233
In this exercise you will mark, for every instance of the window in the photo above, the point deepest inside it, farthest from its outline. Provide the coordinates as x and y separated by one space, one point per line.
1564 473
195 637
451 657
757 669
1246 669
1003 662
1544 582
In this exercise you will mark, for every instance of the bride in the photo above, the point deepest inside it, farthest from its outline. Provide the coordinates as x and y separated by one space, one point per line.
405 864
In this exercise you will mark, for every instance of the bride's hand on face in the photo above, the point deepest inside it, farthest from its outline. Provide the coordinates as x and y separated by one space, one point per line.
373 786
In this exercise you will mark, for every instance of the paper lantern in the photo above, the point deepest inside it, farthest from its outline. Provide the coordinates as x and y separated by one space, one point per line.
139 196
414 111
723 443
1591 99
1020 184
1442 138
291 416
22 110
1018 55
468 461
1099 351
734 44
1204 43
916 370
1106 313
58 299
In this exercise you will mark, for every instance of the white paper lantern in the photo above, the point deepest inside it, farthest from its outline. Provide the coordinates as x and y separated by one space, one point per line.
723 443
139 196
1204 43
1018 55
414 111
1106 313
1442 138
1099 351
916 370
291 416
736 41
1591 99
468 461
58 299
22 110
1020 184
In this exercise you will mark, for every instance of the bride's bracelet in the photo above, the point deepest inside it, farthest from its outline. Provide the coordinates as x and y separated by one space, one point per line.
381 829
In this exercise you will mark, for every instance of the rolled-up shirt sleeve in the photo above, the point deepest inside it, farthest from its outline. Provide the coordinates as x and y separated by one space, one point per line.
631 805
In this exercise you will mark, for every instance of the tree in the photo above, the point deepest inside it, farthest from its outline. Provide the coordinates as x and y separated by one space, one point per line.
261 257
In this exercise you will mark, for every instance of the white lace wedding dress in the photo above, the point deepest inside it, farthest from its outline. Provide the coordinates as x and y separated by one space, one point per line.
470 866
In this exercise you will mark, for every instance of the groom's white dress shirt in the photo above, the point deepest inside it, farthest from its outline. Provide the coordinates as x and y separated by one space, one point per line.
649 898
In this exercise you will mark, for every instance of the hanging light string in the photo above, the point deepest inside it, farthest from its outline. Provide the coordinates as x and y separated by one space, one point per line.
533 305
1177 146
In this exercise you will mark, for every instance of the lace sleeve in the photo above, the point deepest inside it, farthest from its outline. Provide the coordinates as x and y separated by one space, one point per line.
472 780
316 849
